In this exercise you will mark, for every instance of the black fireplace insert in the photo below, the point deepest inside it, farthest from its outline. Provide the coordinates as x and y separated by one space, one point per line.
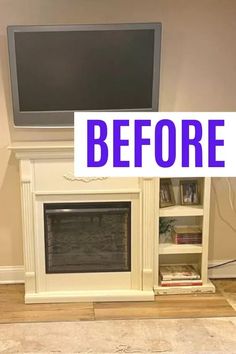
87 237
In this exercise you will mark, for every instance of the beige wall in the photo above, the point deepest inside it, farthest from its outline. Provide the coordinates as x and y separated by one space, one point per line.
198 73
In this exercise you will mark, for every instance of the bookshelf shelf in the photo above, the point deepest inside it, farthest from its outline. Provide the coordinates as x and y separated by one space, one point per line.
195 215
170 248
208 287
181 210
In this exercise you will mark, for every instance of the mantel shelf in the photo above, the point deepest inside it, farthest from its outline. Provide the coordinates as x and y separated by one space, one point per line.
42 149
41 145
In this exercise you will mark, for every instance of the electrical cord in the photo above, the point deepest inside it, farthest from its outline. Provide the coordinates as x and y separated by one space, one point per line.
221 264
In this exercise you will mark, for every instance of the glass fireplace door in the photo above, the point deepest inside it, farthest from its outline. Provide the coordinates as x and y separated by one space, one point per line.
87 237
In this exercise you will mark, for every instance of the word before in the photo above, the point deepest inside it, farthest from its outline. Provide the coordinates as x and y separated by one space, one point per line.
155 144
97 138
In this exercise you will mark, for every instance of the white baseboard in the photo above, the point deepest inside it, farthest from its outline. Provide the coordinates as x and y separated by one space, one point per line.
15 274
224 271
11 274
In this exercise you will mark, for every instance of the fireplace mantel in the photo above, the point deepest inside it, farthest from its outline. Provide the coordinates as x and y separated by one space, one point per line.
46 176
40 150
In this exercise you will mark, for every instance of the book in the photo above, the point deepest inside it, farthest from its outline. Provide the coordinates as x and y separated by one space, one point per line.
178 272
187 240
191 229
187 235
187 282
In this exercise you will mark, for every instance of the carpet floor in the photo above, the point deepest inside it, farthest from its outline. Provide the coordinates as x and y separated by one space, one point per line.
211 335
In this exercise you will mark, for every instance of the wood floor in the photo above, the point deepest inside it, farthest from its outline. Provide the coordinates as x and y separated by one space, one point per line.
13 309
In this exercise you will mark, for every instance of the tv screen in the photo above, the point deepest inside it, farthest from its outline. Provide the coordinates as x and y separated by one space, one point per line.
56 70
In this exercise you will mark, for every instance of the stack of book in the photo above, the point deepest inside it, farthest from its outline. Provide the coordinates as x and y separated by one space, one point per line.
179 275
187 235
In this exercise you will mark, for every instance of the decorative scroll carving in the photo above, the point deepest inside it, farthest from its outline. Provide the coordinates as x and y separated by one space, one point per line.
70 177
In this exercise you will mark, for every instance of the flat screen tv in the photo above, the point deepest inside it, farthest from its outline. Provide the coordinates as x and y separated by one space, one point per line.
56 70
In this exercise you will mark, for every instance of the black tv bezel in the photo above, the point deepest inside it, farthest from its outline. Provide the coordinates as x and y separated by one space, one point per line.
65 119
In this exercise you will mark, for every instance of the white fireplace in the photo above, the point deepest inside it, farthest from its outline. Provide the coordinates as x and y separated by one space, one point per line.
85 239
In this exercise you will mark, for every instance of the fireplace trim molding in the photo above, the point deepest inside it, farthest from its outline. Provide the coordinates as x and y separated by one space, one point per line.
58 156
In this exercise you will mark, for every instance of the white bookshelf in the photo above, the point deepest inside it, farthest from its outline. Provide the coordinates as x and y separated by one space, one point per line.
195 254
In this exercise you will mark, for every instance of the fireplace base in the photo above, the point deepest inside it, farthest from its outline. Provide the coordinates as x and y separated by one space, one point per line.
90 296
